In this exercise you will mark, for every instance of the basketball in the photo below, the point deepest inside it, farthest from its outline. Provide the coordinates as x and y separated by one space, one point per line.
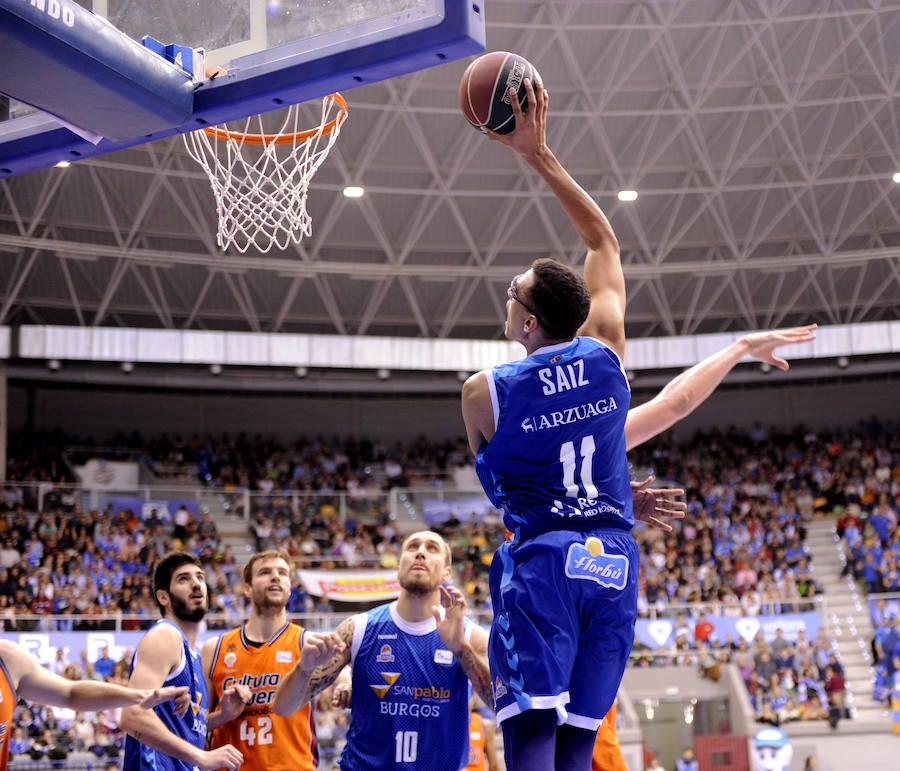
484 89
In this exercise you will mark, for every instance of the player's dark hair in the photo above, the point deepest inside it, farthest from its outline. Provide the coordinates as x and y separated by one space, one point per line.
561 298
165 569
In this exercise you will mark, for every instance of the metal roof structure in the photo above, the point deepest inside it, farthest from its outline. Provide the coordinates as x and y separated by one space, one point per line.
761 137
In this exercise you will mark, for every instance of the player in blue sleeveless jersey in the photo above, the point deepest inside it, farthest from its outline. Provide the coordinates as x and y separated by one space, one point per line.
548 435
412 661
549 439
168 739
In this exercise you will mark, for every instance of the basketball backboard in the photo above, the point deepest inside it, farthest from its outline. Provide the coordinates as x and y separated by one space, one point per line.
94 81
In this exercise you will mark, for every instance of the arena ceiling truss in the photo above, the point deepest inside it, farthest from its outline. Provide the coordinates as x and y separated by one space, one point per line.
761 136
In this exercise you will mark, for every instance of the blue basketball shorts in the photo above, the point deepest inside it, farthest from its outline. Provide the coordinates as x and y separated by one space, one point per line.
565 605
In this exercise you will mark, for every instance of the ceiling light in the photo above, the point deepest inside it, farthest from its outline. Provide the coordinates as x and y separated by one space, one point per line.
897 177
765 368
215 369
127 367
843 362
301 371
628 195
383 374
62 165
53 365
354 191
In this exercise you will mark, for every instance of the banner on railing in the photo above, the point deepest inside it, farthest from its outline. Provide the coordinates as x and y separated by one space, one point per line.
164 509
100 474
883 606
660 632
358 586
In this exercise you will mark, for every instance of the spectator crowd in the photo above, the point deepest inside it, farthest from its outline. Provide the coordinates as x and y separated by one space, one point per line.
739 551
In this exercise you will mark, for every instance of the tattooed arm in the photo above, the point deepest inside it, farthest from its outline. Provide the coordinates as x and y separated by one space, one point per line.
472 653
322 658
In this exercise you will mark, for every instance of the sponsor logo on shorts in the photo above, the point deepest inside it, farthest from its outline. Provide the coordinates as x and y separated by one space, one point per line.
590 562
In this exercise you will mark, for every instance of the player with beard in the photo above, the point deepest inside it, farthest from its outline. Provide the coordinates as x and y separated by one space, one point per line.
164 740
249 661
411 662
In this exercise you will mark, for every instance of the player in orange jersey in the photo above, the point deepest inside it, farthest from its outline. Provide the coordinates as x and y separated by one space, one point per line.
244 667
482 741
607 752
21 677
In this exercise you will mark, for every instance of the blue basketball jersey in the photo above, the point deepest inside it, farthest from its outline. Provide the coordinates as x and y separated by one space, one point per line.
191 727
557 458
410 697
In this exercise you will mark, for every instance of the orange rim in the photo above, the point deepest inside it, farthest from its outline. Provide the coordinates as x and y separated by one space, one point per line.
282 139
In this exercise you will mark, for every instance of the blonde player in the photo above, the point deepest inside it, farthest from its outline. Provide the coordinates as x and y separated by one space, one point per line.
243 668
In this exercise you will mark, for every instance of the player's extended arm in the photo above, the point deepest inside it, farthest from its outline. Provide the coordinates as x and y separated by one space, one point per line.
35 683
681 396
602 266
157 655
322 658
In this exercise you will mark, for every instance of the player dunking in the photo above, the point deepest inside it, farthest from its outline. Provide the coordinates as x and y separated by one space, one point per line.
255 657
548 435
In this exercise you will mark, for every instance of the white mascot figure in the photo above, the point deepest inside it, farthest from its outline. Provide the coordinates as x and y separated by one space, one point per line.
772 750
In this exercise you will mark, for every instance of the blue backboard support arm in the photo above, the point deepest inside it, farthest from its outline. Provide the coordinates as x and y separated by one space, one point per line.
258 87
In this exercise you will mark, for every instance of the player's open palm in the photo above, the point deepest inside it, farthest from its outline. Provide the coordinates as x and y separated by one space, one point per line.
762 345
227 757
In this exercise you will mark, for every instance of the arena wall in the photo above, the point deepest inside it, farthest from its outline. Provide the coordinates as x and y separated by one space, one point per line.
99 413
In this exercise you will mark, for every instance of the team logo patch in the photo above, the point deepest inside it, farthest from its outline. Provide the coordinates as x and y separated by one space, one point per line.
386 655
443 656
230 659
589 561
390 678
499 689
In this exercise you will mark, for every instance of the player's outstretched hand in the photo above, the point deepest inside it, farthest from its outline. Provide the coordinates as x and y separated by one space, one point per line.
227 757
319 649
177 693
761 345
652 503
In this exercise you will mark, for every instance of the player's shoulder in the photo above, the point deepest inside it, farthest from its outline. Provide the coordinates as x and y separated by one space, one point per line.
15 660
162 633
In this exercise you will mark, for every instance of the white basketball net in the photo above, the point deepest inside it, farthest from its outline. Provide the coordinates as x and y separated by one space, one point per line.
260 180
